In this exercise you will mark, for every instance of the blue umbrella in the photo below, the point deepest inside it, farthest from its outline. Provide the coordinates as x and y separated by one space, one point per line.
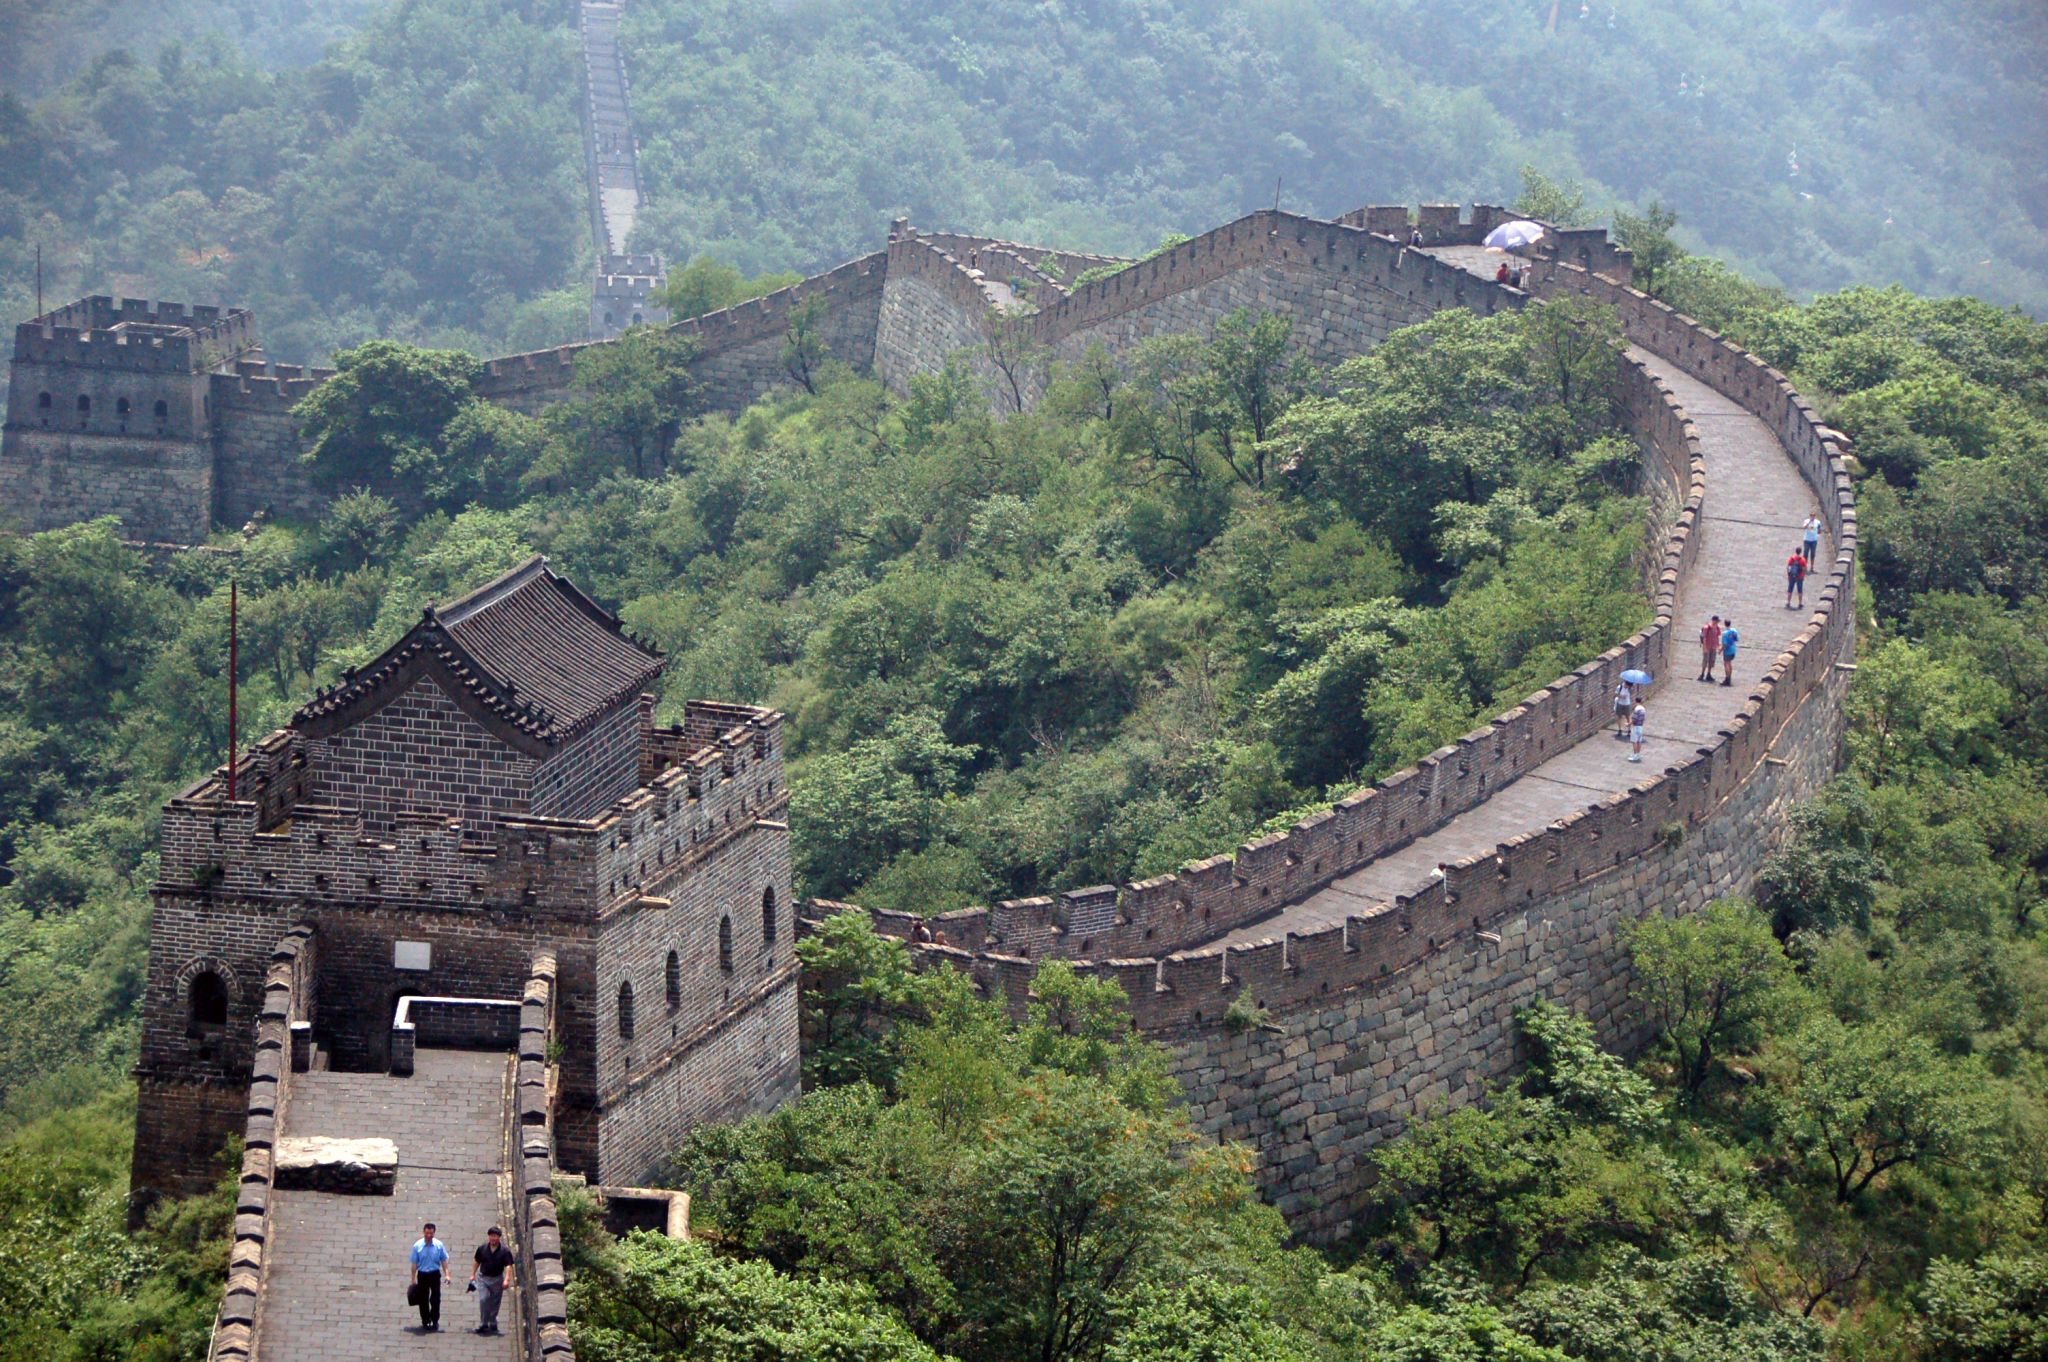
1513 235
1636 677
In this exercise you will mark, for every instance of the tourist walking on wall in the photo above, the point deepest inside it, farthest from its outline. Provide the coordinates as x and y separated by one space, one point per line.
1729 638
1812 533
429 1256
1710 647
1624 698
1795 578
1636 719
487 1278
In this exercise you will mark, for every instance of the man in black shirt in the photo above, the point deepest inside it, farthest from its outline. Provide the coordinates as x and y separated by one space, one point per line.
487 1278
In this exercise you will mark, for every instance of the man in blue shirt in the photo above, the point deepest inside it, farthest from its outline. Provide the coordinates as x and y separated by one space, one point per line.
1729 639
429 1256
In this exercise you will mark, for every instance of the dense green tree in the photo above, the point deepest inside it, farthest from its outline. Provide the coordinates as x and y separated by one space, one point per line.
631 399
1648 237
1826 874
85 618
1871 1098
1206 1321
1712 984
708 284
1568 1066
1994 1310
653 1298
384 415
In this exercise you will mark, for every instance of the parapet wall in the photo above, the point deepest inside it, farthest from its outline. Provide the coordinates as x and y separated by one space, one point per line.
542 1281
287 990
739 355
257 445
270 844
136 335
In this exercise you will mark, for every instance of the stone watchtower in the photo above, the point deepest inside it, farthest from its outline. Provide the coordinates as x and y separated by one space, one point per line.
109 411
492 785
623 295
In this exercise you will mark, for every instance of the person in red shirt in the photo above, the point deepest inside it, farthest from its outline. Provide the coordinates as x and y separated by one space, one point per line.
1795 579
1710 647
1500 276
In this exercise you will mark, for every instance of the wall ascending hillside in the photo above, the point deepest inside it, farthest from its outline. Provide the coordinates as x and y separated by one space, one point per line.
1407 1005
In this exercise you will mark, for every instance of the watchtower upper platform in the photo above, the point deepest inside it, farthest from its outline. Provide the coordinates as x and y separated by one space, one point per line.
134 334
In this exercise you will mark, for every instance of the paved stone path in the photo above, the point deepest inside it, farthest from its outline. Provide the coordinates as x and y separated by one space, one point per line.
617 183
1756 502
336 1290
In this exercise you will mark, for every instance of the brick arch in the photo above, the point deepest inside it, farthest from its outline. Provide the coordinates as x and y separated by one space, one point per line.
191 976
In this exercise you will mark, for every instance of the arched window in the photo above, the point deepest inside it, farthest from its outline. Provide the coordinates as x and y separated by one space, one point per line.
42 401
626 1011
121 406
607 319
725 943
84 404
206 1001
636 319
163 409
768 916
675 981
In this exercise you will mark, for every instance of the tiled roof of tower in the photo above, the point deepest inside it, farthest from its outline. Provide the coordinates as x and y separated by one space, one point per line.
529 650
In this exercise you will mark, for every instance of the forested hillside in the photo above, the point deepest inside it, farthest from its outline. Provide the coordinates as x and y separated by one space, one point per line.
420 181
1081 644
423 181
1175 604
1816 142
51 41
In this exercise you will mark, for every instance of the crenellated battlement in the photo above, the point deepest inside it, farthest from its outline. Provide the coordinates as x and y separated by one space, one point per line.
996 257
1147 935
720 769
134 334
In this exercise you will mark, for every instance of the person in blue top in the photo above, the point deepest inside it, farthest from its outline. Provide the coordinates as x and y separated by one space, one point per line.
429 1256
1728 641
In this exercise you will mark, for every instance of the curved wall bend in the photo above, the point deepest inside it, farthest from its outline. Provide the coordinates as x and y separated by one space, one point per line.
1405 1003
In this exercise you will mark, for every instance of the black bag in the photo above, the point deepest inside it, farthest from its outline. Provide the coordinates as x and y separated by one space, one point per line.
412 1293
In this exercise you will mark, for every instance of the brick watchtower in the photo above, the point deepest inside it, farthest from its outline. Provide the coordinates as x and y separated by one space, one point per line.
493 784
109 411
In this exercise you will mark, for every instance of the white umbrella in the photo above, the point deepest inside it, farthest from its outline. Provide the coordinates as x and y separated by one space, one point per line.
1510 235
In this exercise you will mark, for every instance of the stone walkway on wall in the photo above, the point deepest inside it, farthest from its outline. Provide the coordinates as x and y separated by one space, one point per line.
1756 502
336 1286
617 183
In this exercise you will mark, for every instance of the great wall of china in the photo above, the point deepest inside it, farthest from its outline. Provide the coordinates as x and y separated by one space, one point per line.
1403 998
1386 942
